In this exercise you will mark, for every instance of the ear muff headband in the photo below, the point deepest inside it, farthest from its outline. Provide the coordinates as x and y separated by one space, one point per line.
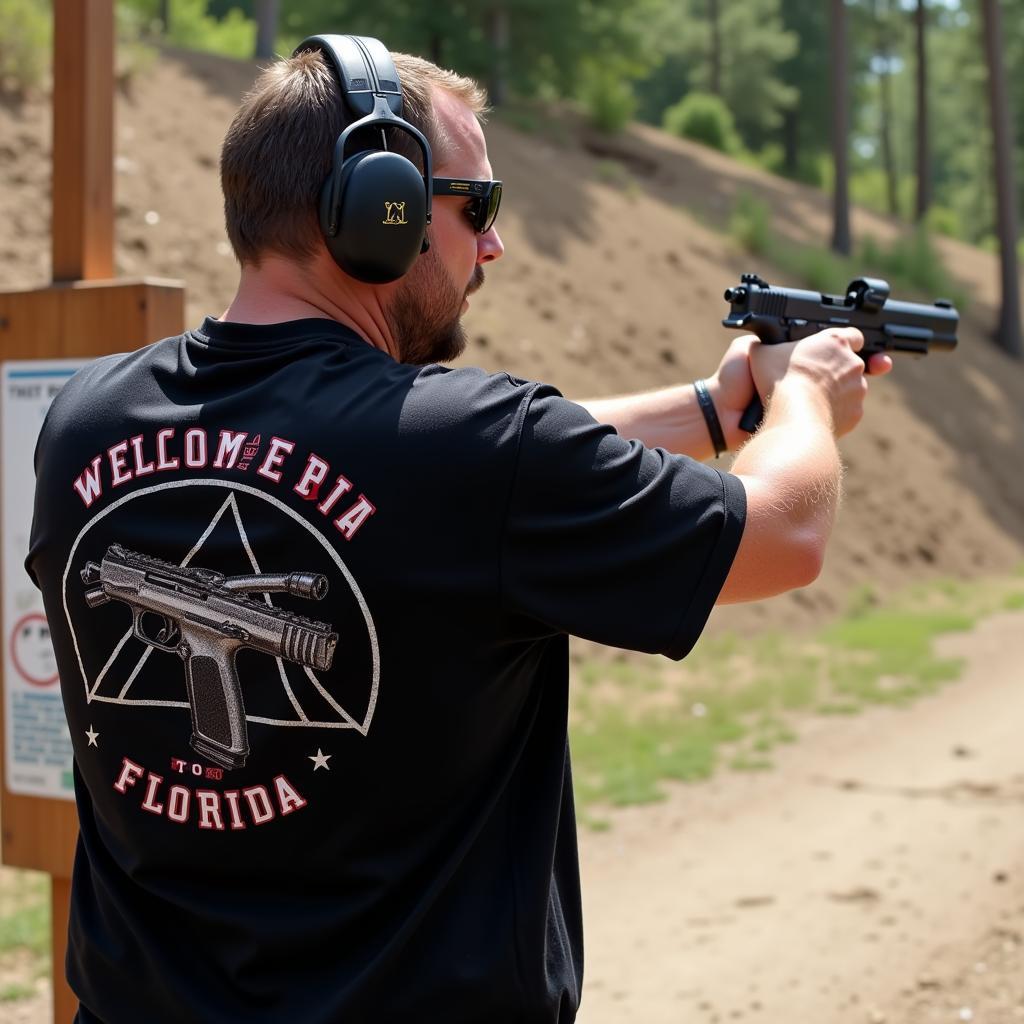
372 97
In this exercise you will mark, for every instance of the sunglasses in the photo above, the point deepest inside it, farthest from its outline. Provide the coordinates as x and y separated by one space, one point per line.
484 196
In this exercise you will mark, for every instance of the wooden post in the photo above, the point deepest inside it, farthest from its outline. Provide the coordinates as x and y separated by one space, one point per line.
83 140
82 315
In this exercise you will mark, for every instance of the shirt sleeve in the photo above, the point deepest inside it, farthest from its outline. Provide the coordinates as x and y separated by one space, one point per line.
608 540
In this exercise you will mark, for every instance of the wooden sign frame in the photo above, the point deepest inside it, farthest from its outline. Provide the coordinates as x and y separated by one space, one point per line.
83 319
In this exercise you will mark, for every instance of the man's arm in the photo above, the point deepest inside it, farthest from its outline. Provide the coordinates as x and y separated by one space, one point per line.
792 473
791 469
671 418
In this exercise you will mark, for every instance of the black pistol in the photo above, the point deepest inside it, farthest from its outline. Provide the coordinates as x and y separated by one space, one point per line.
778 315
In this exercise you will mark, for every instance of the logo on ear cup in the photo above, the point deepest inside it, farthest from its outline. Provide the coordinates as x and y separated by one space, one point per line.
395 213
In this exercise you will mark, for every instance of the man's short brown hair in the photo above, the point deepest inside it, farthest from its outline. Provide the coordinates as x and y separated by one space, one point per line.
277 152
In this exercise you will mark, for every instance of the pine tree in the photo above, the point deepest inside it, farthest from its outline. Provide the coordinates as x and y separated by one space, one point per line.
924 174
267 14
1008 334
840 130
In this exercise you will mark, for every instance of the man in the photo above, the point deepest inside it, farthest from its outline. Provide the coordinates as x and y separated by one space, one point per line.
310 596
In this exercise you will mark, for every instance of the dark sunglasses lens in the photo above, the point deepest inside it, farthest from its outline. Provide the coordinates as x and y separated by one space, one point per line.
493 202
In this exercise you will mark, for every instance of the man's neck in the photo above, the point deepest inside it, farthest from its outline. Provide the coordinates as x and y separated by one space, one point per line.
279 290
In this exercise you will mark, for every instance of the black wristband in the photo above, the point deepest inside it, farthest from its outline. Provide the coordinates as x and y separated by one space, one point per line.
707 406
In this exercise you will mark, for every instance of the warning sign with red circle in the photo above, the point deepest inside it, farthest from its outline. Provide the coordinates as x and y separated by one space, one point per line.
37 745
31 651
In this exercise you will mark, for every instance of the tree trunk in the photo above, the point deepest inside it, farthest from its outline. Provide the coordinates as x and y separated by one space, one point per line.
267 12
163 13
924 173
716 47
791 141
437 49
497 34
883 24
840 131
1008 334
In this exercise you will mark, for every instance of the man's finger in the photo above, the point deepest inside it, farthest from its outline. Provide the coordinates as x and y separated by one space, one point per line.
744 343
851 335
879 363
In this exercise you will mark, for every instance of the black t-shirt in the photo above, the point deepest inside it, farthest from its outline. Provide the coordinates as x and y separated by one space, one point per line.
310 608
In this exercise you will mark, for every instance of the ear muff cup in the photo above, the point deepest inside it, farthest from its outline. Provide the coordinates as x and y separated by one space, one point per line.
380 216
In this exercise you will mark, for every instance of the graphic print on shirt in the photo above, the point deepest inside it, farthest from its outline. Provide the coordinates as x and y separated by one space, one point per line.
206 618
211 609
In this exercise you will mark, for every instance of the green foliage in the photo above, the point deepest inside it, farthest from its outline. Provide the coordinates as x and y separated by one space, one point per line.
552 47
607 96
912 260
809 166
194 28
753 43
704 118
941 220
134 56
24 44
750 224
805 128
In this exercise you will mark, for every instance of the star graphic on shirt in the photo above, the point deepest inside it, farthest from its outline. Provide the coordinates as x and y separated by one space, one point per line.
320 759
93 736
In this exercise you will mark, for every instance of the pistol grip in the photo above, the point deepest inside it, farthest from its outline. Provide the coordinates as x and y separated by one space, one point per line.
218 716
752 415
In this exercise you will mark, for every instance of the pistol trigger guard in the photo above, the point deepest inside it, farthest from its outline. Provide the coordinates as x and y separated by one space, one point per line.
137 629
167 639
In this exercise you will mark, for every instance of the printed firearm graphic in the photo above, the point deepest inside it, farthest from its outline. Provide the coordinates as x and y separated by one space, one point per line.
206 618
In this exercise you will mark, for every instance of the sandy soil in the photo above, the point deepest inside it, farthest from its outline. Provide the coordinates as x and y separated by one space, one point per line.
875 876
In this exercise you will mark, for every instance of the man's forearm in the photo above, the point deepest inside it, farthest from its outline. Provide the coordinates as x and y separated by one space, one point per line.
670 418
795 454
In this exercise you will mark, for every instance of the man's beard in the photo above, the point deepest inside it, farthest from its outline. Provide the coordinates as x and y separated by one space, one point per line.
425 314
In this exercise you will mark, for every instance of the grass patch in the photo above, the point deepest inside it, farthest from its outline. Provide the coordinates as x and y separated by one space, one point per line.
15 991
25 914
639 721
615 173
886 657
27 928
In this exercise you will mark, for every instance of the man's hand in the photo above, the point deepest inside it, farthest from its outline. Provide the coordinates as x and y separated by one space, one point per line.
830 362
732 386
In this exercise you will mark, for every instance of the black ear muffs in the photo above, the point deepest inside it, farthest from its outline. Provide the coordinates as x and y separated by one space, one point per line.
374 224
375 204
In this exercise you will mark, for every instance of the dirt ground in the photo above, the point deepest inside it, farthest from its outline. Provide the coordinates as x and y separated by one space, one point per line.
876 874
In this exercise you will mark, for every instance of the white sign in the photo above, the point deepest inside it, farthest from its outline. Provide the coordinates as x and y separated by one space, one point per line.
36 740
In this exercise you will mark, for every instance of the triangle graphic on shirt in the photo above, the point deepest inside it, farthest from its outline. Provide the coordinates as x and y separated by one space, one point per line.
344 720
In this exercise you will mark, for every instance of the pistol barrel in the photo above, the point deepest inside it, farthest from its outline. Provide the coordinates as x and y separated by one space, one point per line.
299 584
